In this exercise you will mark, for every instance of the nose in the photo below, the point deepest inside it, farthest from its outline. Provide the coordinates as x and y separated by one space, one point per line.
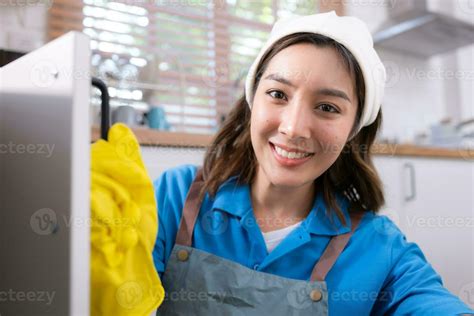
296 120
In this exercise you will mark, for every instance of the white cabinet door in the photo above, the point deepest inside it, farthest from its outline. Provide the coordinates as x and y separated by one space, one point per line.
160 158
432 201
389 171
438 216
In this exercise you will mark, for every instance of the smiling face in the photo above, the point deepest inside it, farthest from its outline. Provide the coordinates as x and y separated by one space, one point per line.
305 100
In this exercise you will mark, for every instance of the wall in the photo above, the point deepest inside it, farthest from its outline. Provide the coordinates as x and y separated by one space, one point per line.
23 26
419 92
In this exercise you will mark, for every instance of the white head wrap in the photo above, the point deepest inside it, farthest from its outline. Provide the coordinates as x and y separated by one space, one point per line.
348 31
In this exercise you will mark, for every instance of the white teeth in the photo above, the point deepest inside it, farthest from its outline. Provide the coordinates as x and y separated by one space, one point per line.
290 155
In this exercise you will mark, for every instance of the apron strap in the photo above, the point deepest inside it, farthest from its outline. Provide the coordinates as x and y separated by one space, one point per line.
333 250
190 212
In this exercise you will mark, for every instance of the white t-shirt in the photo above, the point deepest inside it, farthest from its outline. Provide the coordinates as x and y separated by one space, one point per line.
273 238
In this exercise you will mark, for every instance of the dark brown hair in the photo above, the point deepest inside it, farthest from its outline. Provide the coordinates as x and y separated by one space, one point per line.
352 174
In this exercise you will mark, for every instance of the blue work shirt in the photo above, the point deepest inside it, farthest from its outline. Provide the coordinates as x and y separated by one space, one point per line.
378 272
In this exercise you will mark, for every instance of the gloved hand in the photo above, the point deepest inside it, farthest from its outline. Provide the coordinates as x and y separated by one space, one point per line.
124 227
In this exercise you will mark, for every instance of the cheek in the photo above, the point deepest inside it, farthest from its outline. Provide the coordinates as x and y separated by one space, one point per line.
258 126
263 120
331 137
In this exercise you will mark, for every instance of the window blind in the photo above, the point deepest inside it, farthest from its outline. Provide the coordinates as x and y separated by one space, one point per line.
189 57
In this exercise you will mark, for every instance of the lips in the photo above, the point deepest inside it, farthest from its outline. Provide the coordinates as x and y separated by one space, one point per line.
287 162
291 150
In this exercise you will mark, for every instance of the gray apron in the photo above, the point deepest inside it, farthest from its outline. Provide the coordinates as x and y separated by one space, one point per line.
199 283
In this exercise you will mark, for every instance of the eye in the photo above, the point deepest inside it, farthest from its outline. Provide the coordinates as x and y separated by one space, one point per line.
328 108
276 94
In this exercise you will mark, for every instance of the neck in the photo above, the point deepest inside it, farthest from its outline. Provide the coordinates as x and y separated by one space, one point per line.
277 202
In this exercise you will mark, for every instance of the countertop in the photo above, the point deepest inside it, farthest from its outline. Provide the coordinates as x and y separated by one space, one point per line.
148 137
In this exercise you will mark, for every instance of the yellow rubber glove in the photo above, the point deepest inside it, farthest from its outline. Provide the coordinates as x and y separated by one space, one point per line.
124 227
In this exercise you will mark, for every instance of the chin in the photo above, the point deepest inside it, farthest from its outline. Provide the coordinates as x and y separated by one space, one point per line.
288 180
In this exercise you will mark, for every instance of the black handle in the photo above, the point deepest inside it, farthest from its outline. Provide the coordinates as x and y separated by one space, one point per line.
105 107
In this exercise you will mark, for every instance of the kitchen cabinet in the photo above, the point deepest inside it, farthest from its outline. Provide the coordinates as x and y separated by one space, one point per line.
432 201
157 159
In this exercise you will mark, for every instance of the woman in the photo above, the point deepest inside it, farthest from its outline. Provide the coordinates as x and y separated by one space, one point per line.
281 218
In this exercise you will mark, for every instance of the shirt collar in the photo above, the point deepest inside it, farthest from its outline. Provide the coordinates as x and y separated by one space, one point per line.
233 198
236 200
324 221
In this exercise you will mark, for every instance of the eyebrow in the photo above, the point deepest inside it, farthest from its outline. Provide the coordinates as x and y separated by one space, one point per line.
324 91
